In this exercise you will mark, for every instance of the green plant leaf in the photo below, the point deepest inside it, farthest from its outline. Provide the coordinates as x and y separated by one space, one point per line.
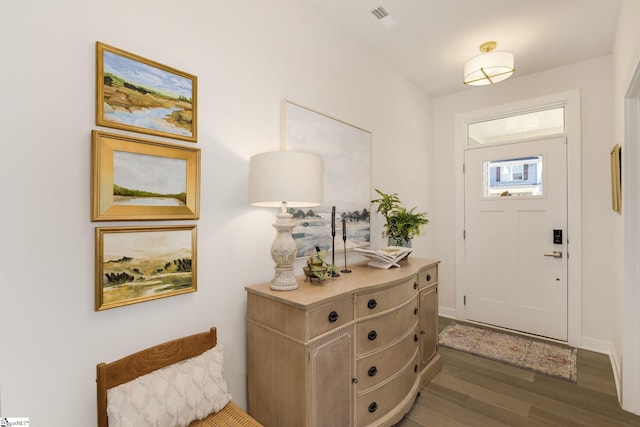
400 221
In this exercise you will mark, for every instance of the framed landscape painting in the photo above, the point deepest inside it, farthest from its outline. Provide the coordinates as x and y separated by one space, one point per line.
140 95
616 178
136 179
346 178
136 264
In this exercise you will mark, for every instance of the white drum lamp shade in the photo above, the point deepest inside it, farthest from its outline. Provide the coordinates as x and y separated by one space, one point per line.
285 179
293 177
489 67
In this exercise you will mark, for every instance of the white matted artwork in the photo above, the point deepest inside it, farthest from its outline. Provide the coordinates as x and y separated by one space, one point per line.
346 179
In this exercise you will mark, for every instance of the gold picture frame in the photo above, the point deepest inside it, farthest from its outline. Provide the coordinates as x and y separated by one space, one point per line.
137 179
140 95
615 158
143 263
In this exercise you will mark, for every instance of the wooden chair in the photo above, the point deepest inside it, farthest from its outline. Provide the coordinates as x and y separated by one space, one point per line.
143 362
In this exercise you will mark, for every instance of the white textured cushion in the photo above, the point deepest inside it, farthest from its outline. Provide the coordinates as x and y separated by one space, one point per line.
172 396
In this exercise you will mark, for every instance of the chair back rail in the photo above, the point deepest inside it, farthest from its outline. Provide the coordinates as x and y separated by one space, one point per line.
109 375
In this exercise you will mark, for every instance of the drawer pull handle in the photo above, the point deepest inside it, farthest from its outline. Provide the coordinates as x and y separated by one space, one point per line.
372 303
428 277
372 335
415 337
415 285
354 380
415 368
415 311
333 316
373 407
372 371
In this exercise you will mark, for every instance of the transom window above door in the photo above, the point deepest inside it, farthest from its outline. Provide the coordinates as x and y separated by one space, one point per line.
540 123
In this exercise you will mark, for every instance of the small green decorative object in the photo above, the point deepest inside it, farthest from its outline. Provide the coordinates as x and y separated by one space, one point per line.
318 268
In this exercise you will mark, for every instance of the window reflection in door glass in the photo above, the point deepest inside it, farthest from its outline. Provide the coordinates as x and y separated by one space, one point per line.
521 177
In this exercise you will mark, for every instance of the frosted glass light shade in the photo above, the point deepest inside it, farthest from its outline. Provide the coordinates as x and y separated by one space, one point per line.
488 68
291 177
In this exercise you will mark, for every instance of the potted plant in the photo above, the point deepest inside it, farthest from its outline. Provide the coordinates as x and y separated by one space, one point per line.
402 224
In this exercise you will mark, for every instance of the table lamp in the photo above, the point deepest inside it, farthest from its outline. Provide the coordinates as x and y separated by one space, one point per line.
285 179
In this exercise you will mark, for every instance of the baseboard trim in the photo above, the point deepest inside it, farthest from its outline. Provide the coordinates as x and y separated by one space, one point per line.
596 345
617 372
447 312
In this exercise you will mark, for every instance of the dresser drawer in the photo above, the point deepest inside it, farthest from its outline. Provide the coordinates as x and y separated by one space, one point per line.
378 367
374 404
428 277
385 299
381 331
330 316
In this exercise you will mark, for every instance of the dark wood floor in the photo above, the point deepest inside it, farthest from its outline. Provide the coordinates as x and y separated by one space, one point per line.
473 391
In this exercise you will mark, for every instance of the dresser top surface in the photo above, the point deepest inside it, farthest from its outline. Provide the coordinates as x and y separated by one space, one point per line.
361 278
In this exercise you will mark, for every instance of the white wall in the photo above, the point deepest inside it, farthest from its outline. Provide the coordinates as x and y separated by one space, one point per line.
593 79
248 56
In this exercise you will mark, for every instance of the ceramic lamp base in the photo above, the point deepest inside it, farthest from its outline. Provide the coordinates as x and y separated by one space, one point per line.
284 280
283 252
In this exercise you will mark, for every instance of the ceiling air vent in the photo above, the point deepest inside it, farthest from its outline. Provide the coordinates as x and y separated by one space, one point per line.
381 14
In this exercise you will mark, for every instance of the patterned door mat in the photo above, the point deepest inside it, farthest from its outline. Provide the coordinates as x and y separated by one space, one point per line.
543 357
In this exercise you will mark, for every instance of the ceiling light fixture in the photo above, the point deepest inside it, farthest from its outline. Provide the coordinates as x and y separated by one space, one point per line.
489 67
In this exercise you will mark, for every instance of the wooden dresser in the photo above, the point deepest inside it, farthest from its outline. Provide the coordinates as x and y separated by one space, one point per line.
352 351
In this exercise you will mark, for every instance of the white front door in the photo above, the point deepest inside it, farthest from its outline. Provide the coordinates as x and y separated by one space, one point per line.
515 245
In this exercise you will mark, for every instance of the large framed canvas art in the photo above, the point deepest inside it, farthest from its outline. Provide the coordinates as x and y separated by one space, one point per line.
345 150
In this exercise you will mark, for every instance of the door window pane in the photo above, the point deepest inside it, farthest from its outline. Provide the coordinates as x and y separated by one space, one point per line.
519 126
513 177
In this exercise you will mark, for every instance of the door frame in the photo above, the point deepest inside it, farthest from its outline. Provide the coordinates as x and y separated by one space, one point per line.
571 101
630 393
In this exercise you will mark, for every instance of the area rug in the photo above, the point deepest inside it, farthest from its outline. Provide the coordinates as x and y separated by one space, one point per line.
546 358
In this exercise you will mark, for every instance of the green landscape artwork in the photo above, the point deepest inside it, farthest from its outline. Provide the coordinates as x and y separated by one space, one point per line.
139 179
140 265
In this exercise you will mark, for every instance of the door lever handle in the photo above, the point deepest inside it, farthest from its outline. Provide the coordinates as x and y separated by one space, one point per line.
555 254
